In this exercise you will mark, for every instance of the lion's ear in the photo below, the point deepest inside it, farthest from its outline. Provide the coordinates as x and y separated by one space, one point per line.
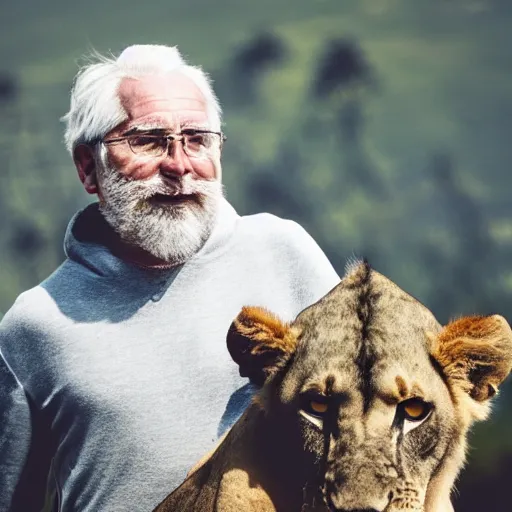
260 343
475 354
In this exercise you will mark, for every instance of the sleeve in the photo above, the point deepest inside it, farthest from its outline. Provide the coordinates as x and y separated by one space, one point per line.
15 432
313 273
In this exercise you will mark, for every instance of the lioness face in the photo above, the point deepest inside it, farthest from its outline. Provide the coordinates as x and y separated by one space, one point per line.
370 402
375 394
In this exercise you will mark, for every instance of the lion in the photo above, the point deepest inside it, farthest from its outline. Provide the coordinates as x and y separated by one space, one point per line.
365 405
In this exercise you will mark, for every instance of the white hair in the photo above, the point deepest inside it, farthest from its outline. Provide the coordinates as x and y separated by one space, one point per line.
95 107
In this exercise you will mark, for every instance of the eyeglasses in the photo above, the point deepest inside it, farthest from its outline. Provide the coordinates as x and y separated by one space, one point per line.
195 143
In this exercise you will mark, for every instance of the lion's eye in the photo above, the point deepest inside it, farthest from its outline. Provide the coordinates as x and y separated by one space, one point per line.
313 408
318 407
412 413
415 409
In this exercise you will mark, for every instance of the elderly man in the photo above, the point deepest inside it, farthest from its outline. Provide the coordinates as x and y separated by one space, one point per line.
115 368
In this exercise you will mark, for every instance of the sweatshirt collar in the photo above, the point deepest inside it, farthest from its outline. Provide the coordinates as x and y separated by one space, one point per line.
88 235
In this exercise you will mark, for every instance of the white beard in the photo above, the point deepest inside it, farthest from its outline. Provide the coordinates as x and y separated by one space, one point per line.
170 232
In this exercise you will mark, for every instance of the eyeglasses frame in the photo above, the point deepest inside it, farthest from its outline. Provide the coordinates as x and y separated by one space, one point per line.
170 137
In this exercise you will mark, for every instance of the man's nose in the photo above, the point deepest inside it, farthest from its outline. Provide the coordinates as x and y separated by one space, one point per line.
175 162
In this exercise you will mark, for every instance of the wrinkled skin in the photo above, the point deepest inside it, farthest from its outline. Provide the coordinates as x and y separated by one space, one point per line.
365 407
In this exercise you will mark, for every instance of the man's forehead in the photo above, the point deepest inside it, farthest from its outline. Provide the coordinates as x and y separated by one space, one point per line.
173 98
175 123
172 85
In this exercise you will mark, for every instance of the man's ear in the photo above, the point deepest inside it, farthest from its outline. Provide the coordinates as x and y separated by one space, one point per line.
260 343
475 354
83 156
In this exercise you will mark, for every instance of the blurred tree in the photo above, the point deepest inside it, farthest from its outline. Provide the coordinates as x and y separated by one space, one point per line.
341 66
342 83
9 87
27 245
284 197
250 62
465 265
261 52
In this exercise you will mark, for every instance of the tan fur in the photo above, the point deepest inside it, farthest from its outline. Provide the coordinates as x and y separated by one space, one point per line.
475 343
365 347
473 353
266 330
402 387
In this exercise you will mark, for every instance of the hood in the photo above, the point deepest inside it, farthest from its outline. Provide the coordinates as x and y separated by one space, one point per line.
89 236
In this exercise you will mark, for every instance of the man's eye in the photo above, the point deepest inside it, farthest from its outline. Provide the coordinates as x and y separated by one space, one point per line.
142 141
146 145
197 140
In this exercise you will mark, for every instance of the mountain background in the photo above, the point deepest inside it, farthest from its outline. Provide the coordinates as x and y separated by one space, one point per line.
382 126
